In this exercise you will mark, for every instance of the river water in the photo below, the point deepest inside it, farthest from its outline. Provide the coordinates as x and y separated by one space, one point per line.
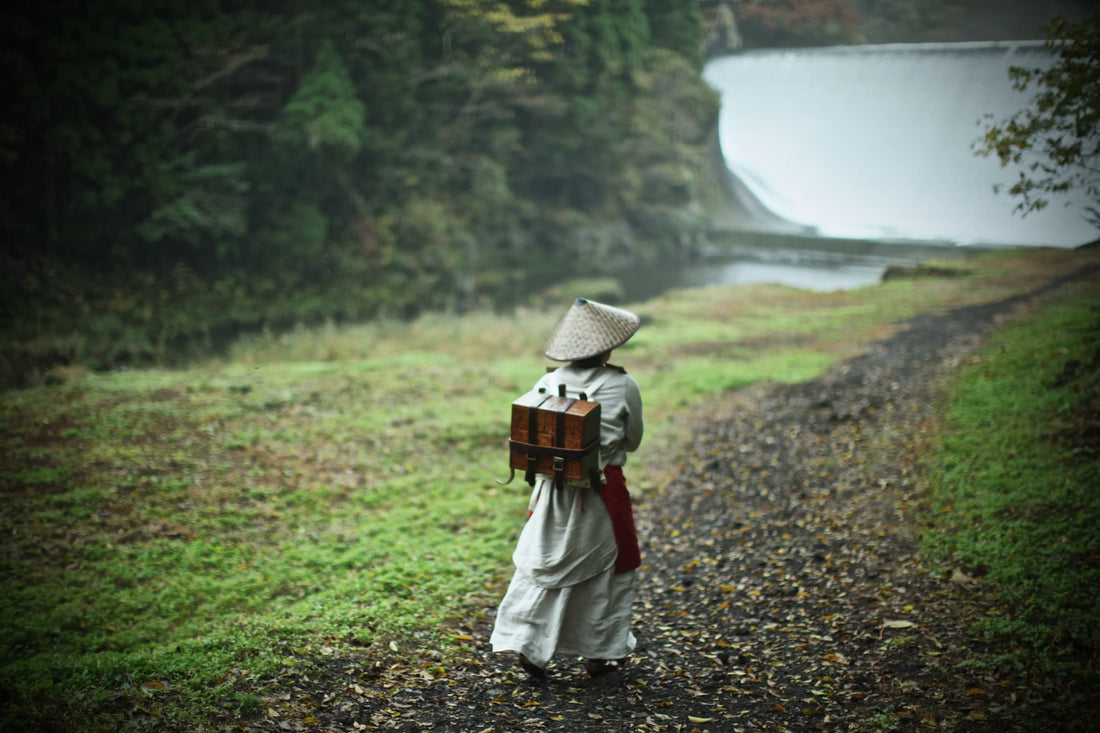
798 261
642 283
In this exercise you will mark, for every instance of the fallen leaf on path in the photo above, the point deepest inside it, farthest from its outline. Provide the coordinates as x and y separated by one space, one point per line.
897 624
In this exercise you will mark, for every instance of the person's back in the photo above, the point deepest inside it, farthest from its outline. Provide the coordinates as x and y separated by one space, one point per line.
577 555
619 399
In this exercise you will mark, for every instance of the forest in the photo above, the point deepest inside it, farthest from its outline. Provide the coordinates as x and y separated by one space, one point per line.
225 165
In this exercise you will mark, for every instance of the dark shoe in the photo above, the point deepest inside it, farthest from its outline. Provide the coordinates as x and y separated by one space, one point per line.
597 667
536 672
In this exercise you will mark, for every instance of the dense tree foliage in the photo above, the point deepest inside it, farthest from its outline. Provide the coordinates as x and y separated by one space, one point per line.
797 22
1055 142
363 157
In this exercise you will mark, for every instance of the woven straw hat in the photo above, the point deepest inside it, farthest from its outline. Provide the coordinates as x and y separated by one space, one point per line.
588 329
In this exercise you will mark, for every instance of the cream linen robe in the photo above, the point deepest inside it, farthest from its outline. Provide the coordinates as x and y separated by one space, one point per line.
564 597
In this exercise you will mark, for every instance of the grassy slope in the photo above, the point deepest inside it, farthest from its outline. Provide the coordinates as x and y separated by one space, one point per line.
172 538
1015 485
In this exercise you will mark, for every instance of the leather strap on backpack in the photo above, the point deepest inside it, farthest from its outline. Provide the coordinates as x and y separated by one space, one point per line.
559 439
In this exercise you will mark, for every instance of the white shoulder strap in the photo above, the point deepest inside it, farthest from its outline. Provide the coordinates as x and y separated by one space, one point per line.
592 388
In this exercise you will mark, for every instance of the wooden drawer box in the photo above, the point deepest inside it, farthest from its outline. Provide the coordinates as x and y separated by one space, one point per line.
555 435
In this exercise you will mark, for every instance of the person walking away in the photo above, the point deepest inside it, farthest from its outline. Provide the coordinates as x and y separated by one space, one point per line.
577 556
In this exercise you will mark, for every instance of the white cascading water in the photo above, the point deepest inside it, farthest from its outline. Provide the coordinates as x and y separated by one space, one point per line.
876 142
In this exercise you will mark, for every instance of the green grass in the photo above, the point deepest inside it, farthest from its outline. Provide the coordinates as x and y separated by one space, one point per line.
174 540
1015 484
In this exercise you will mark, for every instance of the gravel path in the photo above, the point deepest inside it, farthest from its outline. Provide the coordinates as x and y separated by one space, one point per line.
780 589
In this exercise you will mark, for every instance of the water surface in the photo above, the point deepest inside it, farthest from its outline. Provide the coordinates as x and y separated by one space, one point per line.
798 261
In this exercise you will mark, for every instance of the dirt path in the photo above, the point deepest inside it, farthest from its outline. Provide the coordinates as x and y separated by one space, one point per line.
780 588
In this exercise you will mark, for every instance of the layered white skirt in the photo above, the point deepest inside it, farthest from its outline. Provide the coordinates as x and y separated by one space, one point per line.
565 597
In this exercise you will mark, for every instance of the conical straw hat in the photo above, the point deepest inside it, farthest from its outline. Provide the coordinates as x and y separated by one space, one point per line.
590 328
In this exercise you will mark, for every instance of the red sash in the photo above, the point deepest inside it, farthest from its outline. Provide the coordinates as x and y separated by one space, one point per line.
617 500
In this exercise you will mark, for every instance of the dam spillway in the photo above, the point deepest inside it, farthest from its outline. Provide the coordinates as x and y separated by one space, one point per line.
877 142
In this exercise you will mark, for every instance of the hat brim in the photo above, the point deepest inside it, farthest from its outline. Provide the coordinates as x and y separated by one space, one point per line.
589 329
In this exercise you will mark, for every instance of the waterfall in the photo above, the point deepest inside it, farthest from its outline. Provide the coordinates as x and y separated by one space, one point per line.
875 142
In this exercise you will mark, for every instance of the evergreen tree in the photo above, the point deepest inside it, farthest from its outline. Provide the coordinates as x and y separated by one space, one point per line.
676 25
